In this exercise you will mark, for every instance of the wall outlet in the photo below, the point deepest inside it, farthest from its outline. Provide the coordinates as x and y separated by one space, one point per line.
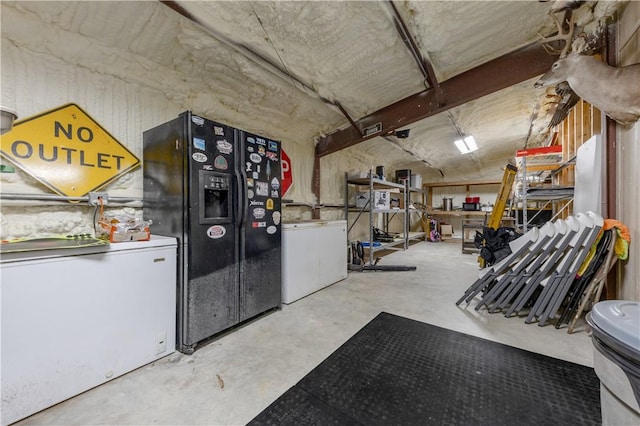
95 196
161 342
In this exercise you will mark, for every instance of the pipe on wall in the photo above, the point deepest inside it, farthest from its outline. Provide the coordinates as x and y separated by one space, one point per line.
120 201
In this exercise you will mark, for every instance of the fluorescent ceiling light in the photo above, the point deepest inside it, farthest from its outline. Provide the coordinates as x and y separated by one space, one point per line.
466 145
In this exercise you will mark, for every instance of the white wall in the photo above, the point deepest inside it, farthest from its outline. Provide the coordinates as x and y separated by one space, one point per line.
628 159
130 78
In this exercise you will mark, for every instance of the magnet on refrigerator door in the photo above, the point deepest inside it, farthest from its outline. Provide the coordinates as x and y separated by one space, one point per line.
199 157
262 188
216 231
220 163
272 156
199 144
224 146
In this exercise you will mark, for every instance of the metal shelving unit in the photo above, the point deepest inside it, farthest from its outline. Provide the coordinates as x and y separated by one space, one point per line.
375 184
413 236
544 195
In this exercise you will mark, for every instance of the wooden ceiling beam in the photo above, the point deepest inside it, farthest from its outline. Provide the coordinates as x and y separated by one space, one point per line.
505 71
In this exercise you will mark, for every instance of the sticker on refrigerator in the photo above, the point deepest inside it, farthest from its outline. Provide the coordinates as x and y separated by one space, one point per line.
250 149
256 175
272 156
275 183
250 194
250 182
262 188
251 140
197 120
224 146
273 146
216 231
261 150
249 167
261 141
199 144
199 157
255 158
258 213
218 131
207 167
271 230
220 163
274 194
276 217
253 203
259 224
269 204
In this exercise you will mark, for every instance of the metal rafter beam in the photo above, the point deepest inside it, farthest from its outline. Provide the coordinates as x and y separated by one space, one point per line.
425 66
497 74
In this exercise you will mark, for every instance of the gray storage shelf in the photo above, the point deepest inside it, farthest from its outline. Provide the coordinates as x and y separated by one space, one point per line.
375 184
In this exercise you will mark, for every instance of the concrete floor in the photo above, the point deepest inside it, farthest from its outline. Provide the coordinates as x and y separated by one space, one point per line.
233 378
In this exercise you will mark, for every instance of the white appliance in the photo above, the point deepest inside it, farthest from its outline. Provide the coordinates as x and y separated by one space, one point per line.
615 326
73 319
314 256
589 192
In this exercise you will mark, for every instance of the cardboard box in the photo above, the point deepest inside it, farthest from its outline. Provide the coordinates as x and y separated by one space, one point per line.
446 231
403 175
381 199
354 174
416 181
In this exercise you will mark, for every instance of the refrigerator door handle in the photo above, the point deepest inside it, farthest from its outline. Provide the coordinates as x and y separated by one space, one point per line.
241 197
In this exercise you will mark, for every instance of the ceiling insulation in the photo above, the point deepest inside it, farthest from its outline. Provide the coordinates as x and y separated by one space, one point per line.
285 66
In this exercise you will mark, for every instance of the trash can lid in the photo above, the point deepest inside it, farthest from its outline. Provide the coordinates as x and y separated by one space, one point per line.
620 319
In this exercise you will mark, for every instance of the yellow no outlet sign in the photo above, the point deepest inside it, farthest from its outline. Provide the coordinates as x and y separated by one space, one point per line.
67 150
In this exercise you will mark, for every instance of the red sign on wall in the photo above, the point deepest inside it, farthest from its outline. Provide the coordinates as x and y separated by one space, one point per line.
287 177
546 150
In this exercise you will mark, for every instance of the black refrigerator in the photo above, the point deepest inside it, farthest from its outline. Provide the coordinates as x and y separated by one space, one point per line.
217 190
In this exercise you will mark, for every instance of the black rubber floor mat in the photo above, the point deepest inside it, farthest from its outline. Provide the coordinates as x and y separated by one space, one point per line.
397 371
297 407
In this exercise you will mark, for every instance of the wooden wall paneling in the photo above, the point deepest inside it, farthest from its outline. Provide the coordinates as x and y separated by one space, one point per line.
566 143
596 121
587 127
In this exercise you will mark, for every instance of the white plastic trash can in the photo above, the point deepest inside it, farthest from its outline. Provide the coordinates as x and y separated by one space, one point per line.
616 359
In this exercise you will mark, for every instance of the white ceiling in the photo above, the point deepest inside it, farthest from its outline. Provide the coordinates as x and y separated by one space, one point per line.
281 65
351 53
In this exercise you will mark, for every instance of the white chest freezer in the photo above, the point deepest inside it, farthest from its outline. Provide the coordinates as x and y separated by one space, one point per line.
314 256
73 319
